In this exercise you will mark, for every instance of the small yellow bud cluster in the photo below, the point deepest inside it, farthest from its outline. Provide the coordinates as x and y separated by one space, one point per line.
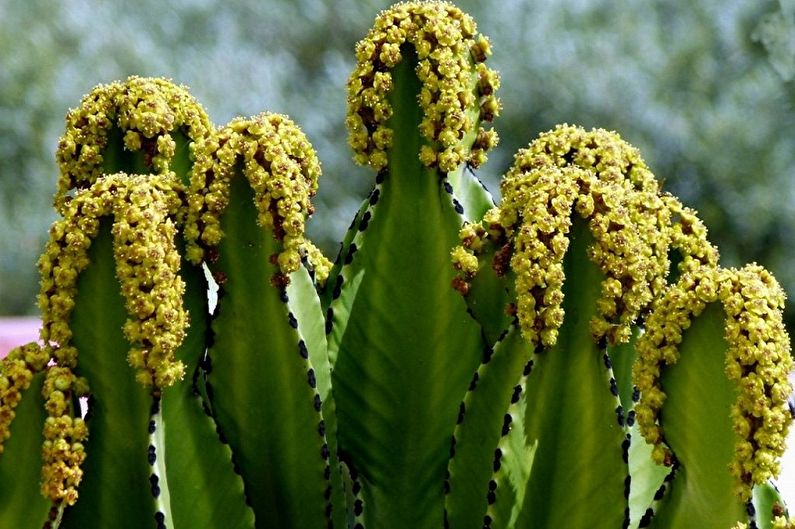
63 450
146 111
147 265
757 360
689 237
605 180
282 170
457 88
16 372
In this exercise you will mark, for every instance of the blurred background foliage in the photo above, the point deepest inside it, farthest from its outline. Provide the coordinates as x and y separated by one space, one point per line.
704 89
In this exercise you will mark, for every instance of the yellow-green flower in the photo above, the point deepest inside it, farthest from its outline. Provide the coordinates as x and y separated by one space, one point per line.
457 89
143 209
146 111
282 169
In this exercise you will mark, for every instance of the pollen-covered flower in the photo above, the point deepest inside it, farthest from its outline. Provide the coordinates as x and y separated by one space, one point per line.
757 359
282 169
146 113
142 209
16 373
602 179
457 88
63 450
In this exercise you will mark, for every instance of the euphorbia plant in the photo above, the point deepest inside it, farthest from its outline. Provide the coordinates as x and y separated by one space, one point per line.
462 364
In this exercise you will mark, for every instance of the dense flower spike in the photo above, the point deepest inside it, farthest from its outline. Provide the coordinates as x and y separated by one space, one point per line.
457 88
282 169
147 265
147 112
63 450
605 180
757 359
16 372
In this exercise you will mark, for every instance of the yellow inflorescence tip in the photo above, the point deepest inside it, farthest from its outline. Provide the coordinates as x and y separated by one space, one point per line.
457 91
146 111
147 265
63 450
282 169
16 372
604 180
757 359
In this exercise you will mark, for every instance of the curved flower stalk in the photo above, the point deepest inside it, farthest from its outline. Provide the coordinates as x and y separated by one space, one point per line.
756 360
147 264
150 117
456 93
417 100
268 376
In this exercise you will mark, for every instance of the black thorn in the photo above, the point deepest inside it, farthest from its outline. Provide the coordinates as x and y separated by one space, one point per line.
620 415
635 394
607 361
458 207
497 458
310 377
151 455
337 287
517 392
302 350
152 427
329 320
351 250
365 220
474 383
646 520
318 404
528 367
659 493
461 411
613 387
506 424
291 319
374 196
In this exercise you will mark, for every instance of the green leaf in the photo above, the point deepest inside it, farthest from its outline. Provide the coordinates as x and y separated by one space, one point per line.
569 428
21 502
194 467
699 430
481 417
768 504
115 490
648 478
402 345
262 389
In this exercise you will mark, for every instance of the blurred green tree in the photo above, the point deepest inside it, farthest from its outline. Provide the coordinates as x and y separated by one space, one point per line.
689 83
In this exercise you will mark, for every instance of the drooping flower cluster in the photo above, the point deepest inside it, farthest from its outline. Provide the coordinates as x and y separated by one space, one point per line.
608 184
757 360
147 112
16 373
457 90
147 265
63 450
282 169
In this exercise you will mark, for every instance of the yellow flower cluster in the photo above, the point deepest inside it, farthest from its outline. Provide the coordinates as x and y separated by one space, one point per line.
757 360
282 170
457 90
605 180
147 265
145 110
63 450
16 373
